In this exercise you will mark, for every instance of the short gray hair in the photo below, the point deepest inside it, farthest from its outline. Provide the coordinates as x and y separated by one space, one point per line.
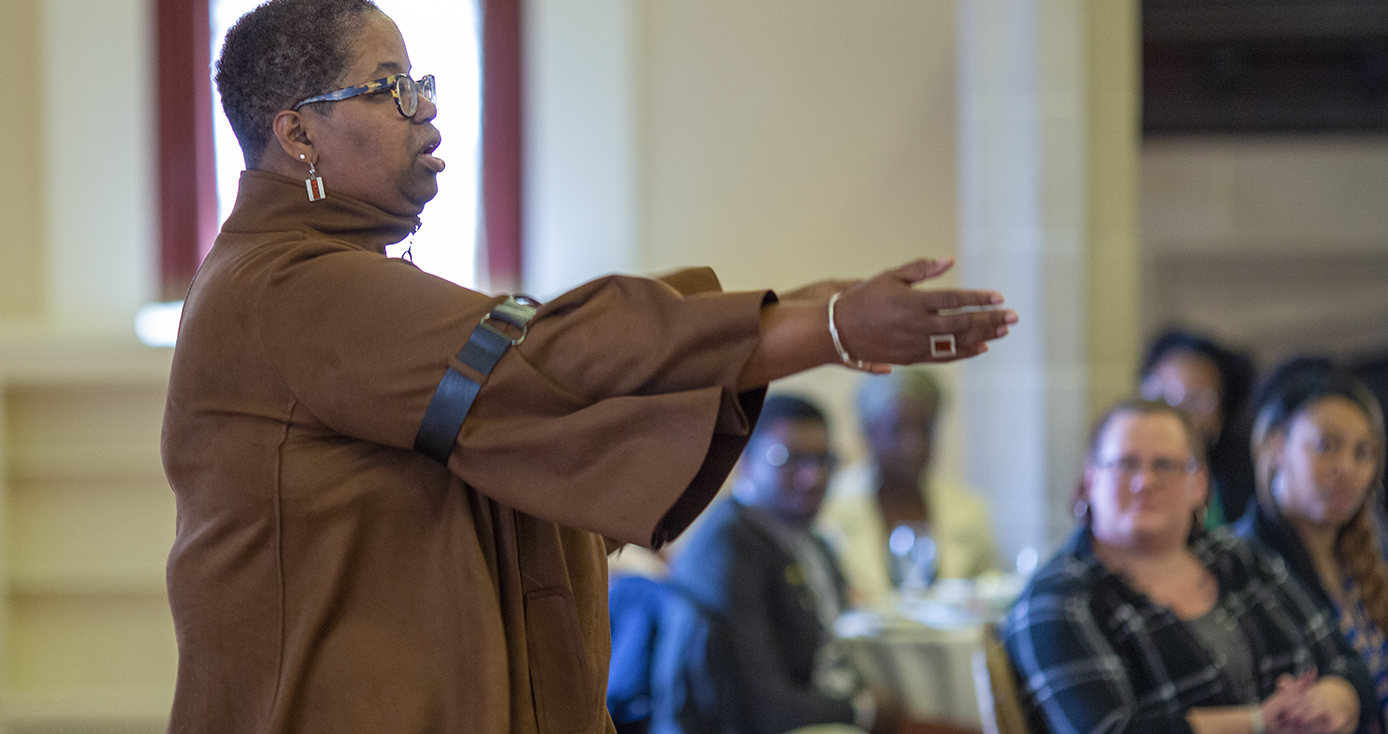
280 53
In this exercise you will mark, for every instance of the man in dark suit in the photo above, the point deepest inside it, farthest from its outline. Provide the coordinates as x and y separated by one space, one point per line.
769 588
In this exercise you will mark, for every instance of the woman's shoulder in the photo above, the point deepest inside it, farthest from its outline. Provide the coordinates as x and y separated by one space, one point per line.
1071 574
1059 597
1238 562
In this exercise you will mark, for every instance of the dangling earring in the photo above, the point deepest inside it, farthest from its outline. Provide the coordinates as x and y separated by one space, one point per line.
1278 488
313 183
1080 509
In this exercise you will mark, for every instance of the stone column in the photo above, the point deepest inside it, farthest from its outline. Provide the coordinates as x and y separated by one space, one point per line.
1026 164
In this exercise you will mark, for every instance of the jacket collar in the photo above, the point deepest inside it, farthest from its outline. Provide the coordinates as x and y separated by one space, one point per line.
269 202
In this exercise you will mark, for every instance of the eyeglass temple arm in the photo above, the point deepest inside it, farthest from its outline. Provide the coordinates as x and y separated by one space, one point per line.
342 94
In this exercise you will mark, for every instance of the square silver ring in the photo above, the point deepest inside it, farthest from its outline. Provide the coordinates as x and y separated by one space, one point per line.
942 345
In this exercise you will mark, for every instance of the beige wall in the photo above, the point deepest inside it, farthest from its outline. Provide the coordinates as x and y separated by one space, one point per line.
1275 244
784 141
788 141
794 140
21 237
1114 340
86 518
779 142
77 186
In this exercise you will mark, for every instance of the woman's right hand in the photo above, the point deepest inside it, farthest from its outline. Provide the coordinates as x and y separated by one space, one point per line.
1307 705
880 321
886 320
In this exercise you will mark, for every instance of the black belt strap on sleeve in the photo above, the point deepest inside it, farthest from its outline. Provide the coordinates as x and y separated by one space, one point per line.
452 400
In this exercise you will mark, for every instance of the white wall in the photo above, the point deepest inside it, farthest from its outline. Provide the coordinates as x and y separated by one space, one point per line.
581 129
97 122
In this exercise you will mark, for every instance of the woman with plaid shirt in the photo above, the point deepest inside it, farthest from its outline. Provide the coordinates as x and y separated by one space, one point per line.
1143 623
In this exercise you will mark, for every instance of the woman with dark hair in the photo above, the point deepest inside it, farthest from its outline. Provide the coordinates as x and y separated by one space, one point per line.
1145 622
393 492
1210 383
1318 445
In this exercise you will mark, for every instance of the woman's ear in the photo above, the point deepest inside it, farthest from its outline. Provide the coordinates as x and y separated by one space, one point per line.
1275 447
293 137
1081 498
1202 481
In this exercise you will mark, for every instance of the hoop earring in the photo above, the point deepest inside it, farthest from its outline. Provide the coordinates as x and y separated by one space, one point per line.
313 183
1080 509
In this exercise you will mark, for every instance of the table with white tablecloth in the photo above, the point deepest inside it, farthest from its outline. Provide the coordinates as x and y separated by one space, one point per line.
922 647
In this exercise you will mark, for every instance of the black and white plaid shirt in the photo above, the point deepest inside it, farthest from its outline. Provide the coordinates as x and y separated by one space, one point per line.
1094 655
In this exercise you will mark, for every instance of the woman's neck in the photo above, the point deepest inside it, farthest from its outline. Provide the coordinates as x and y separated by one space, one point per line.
1140 562
1319 541
1171 577
901 499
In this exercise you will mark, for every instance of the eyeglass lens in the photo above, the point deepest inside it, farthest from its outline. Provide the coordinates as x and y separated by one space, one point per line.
781 457
1161 467
407 93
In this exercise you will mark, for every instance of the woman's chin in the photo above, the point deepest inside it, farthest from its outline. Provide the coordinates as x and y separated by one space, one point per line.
1141 535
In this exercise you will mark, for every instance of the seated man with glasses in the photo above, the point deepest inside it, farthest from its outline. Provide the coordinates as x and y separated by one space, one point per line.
1145 622
769 587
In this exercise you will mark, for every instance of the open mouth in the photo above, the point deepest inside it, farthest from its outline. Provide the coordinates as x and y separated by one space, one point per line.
432 162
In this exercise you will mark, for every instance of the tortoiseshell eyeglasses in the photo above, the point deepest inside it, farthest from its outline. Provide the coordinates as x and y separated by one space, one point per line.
405 90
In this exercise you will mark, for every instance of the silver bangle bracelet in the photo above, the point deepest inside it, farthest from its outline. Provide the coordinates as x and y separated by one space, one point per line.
856 364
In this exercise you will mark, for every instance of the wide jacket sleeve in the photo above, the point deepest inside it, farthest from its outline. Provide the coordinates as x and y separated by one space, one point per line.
619 413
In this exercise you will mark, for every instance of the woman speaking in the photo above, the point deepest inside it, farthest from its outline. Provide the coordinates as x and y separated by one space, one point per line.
393 492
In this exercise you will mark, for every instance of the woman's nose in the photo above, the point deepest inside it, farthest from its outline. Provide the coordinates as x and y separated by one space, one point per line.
426 110
1140 478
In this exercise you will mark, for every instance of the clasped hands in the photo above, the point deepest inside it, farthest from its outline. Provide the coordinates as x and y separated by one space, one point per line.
1305 704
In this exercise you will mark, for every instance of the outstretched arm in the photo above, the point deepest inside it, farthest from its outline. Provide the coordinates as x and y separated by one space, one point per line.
881 321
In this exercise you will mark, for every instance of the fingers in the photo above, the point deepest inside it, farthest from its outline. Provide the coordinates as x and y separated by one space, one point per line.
884 320
987 324
1295 706
941 300
949 300
972 331
923 269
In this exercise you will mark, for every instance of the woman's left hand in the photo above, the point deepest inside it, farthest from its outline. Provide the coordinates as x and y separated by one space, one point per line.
1308 705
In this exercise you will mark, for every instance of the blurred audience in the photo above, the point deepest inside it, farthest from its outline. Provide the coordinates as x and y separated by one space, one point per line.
771 592
636 603
1212 384
889 518
1145 622
1318 445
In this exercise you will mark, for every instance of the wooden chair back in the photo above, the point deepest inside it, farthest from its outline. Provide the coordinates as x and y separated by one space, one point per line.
1000 705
